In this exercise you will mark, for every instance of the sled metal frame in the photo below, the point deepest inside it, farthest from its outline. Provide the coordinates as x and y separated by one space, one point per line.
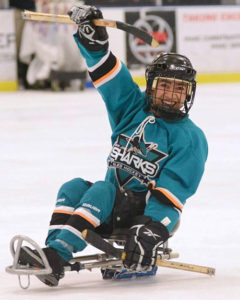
99 260
164 257
103 260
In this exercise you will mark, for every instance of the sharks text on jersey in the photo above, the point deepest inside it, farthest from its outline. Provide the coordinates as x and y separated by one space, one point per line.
118 154
137 158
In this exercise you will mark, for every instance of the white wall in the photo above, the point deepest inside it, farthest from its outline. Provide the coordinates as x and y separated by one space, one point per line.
8 69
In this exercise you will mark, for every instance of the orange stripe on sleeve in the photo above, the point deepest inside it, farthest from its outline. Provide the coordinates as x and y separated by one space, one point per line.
108 74
177 204
169 196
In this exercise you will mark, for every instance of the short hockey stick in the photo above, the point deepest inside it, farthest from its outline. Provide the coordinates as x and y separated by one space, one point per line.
144 36
97 241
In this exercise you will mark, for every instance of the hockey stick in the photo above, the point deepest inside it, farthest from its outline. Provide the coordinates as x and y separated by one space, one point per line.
144 36
97 241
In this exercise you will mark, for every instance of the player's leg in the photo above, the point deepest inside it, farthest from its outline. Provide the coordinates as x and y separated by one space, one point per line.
80 205
93 209
68 198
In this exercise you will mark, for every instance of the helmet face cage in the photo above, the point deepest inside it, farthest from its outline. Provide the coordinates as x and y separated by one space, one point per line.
171 86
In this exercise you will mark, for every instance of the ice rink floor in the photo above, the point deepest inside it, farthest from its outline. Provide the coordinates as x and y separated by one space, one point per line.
48 138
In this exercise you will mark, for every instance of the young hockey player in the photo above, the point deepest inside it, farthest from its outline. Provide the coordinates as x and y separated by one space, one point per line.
156 162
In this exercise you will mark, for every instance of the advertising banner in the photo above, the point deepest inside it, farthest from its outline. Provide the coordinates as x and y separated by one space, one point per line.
8 68
210 37
161 24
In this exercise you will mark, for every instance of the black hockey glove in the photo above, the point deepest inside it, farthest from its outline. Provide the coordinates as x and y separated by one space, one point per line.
142 243
93 38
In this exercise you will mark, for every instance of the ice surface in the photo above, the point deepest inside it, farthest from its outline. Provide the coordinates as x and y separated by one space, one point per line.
48 138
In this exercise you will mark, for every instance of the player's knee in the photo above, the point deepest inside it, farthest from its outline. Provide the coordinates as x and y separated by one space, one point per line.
104 191
73 190
105 188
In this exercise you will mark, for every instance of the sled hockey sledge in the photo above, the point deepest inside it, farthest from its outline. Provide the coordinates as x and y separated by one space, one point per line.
109 262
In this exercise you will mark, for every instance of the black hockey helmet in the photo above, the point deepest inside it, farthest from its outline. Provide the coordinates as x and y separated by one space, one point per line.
175 67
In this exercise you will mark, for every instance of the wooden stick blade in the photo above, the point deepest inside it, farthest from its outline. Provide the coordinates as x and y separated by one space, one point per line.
139 33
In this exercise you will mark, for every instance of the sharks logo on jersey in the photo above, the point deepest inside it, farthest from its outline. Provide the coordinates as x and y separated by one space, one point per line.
135 158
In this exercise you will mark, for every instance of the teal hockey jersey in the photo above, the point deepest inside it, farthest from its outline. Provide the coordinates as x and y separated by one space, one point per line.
170 155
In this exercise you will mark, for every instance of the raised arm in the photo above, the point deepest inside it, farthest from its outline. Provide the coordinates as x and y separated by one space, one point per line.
110 76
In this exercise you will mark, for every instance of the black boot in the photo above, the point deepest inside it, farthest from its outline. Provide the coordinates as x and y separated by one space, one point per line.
32 258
